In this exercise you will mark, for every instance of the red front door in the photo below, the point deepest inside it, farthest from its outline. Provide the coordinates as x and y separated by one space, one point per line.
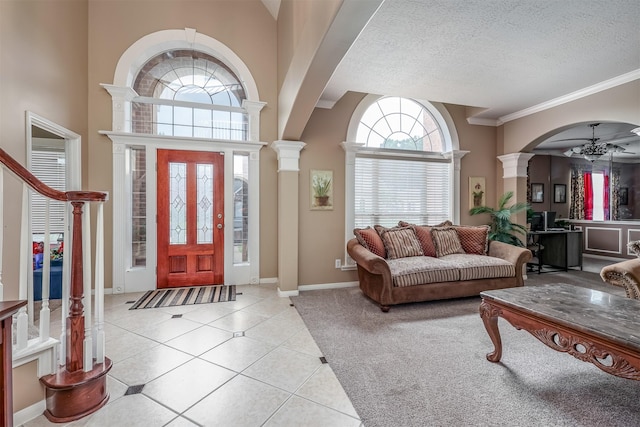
190 218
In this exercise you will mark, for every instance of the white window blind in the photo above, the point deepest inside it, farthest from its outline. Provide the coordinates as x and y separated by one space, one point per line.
49 167
388 190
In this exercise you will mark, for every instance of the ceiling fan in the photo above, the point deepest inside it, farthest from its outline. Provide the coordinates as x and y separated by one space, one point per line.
593 149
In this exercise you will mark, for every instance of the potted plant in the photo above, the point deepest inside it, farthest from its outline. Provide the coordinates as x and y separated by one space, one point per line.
321 187
502 229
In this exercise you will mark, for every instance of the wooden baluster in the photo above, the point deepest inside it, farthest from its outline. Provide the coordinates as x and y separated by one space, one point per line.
75 320
46 276
86 265
99 286
26 268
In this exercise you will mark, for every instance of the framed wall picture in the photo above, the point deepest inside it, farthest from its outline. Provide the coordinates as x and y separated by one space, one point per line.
321 183
537 193
477 191
559 193
624 195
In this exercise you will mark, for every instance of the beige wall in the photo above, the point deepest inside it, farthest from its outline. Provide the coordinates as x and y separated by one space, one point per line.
43 69
246 27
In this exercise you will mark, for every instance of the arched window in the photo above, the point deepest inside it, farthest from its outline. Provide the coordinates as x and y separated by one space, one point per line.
399 164
188 93
399 123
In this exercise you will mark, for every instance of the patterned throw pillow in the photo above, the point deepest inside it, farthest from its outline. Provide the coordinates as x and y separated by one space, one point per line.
474 240
400 242
446 241
634 247
423 232
370 239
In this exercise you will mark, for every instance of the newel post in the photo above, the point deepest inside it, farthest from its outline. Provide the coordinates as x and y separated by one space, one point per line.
75 321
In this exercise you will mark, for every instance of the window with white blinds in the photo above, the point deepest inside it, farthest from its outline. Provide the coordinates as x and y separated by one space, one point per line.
48 165
388 190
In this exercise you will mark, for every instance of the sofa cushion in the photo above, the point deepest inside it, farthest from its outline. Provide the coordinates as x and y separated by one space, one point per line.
446 241
480 266
421 270
370 239
423 232
473 239
400 242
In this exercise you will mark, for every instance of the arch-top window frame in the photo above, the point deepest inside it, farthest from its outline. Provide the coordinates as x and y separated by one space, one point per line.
356 147
394 122
189 93
125 277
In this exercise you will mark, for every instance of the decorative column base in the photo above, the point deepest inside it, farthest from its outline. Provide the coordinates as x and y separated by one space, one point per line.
74 395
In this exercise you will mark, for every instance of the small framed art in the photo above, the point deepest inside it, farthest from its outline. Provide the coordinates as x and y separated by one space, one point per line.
321 190
537 193
559 193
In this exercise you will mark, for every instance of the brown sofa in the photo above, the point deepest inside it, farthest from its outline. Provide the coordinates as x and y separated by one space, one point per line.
393 281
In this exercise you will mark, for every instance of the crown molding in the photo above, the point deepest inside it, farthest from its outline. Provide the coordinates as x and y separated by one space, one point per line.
482 122
590 90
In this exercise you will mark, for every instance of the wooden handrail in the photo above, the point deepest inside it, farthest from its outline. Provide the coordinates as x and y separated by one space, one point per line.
43 189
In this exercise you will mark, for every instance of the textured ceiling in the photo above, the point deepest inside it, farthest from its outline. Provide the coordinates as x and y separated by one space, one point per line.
503 56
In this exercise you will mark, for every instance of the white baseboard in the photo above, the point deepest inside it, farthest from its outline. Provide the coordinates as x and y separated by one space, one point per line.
285 294
29 413
269 281
327 286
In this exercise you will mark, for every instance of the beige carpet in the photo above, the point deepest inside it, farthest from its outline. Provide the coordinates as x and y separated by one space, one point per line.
424 365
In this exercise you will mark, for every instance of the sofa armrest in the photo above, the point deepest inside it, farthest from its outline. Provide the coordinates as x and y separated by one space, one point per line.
514 254
366 259
624 274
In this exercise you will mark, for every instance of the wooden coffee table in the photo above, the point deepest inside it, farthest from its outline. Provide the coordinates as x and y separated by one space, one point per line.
592 326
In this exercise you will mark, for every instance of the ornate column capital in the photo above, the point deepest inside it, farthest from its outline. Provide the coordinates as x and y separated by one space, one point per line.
288 154
514 165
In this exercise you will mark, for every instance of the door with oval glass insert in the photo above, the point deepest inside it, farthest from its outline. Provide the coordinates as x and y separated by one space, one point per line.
190 218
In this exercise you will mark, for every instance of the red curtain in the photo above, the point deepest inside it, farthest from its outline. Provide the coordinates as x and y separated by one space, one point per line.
605 197
588 196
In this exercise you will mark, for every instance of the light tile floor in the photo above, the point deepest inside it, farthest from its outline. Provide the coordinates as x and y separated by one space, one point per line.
249 362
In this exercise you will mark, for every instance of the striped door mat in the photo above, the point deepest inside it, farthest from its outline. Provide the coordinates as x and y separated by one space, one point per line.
186 296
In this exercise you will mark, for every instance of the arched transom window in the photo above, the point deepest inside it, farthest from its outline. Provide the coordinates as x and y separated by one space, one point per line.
400 123
189 94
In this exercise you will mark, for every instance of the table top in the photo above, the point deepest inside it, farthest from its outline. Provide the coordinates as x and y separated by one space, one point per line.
613 318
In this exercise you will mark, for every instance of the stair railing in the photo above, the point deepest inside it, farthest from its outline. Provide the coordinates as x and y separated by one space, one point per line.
77 385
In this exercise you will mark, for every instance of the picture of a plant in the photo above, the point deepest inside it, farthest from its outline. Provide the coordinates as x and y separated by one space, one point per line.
321 186
321 189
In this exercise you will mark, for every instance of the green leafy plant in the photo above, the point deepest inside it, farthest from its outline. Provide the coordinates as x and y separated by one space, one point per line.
502 229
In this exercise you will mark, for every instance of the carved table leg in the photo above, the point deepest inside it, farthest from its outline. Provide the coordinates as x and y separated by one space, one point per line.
489 316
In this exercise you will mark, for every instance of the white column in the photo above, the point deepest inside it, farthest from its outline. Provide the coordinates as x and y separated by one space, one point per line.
253 111
350 150
288 195
86 281
99 287
455 157
121 98
119 217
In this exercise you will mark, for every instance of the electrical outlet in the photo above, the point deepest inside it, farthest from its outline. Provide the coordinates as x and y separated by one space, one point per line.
338 263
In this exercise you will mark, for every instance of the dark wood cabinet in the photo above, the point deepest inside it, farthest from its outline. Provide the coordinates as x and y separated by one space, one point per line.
558 249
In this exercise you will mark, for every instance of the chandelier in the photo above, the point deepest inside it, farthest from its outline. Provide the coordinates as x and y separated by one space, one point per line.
593 149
